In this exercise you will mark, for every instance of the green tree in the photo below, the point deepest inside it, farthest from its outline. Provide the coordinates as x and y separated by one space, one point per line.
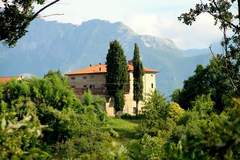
94 103
157 116
20 131
117 79
16 15
147 148
228 19
203 134
42 118
159 120
207 80
138 73
175 95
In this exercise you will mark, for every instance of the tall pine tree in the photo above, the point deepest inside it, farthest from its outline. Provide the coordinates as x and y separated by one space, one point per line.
117 74
138 73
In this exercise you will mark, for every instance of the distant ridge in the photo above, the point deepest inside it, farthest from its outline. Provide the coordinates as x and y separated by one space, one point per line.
57 46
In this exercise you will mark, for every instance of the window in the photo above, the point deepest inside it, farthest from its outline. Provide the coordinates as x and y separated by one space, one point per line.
135 110
92 86
152 85
73 78
84 77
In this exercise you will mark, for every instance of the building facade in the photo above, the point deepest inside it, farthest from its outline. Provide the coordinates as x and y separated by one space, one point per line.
6 79
94 78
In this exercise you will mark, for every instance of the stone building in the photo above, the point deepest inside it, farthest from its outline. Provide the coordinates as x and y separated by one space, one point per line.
94 78
6 79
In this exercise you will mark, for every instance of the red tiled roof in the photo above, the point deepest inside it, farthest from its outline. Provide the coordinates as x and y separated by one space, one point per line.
102 68
4 80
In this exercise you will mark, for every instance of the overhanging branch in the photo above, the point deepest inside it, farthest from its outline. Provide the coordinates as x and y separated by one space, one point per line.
42 9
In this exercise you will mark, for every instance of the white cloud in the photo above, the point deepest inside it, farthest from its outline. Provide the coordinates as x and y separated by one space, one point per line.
201 34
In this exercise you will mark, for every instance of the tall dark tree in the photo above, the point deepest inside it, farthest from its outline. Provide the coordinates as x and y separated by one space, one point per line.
16 15
138 73
117 79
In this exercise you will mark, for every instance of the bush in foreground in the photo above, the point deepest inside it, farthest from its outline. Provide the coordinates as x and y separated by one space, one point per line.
43 118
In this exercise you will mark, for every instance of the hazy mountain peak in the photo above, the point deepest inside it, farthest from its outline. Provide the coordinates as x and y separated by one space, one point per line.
124 28
156 42
107 25
95 22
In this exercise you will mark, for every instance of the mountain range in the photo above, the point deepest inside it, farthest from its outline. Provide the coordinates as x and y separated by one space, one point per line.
50 45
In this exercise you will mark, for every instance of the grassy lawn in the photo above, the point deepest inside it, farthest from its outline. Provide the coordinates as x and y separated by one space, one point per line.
126 129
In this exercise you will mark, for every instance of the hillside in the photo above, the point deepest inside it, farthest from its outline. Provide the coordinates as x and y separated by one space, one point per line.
52 45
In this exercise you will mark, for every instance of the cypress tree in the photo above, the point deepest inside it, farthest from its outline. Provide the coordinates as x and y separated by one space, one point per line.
117 74
138 73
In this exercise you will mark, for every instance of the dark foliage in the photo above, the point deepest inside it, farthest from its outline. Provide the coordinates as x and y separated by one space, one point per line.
138 73
207 80
15 16
117 79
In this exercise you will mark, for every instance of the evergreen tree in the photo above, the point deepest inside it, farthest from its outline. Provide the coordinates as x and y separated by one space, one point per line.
138 73
117 74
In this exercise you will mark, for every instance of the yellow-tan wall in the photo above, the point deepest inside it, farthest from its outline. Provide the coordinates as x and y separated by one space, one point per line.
95 79
149 85
82 82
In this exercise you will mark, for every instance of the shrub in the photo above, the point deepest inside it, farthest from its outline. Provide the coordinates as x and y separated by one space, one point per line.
157 115
42 118
205 134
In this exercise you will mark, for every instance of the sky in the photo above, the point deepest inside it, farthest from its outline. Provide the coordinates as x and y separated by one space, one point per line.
148 17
